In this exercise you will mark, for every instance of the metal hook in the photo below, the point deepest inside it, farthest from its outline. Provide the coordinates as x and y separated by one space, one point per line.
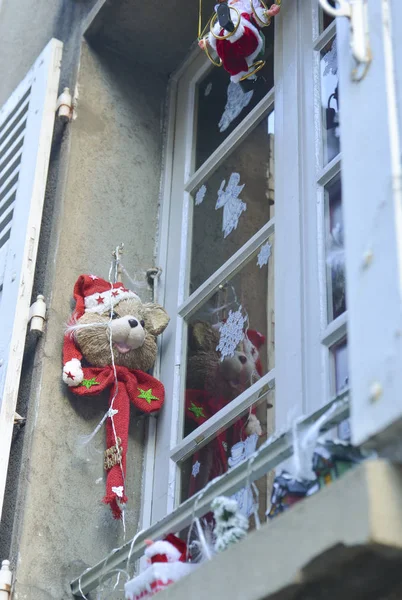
356 12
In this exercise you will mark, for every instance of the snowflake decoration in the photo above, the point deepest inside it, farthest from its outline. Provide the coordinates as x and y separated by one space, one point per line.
196 468
331 60
236 101
200 195
208 89
231 333
264 254
232 205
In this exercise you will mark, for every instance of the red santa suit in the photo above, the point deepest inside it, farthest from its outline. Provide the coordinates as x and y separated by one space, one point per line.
239 51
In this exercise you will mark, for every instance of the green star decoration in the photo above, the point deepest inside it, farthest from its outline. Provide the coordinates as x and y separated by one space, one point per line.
197 410
147 395
88 383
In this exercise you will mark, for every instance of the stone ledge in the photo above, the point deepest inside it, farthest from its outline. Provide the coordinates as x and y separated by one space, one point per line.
343 542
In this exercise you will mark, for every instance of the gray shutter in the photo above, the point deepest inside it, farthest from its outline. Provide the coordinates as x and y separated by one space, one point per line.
26 129
372 196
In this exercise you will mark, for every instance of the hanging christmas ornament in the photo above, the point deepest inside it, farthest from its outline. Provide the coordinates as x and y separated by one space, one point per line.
168 564
235 36
230 524
114 333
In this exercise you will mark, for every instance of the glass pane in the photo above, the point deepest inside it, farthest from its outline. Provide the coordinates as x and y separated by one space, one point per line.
222 105
341 367
230 340
330 100
325 18
227 450
233 203
335 250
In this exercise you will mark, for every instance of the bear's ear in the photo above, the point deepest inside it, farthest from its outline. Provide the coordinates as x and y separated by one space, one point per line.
202 337
156 318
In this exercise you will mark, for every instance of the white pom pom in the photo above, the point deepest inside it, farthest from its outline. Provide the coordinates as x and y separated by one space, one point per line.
73 373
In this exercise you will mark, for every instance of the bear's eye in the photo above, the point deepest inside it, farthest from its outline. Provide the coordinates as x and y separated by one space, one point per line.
114 315
142 323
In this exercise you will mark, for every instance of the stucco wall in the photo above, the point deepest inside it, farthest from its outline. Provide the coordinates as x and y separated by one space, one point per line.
102 189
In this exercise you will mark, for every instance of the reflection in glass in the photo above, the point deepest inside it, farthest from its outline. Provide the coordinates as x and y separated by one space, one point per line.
222 105
330 100
335 250
230 448
230 340
234 203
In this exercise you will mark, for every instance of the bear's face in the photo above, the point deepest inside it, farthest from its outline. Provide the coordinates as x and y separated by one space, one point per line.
130 331
205 370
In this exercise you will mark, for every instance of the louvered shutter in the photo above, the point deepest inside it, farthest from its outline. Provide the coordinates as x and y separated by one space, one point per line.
26 129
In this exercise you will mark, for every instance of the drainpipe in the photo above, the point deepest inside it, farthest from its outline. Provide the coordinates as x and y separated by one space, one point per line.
5 580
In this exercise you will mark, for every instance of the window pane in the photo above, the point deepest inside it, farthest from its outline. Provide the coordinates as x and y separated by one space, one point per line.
231 340
222 105
335 250
227 450
325 18
330 100
341 368
234 203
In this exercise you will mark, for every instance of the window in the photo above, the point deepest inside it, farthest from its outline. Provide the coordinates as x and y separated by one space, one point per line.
228 218
26 127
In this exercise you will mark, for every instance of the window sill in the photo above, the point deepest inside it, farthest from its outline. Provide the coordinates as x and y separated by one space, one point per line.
323 546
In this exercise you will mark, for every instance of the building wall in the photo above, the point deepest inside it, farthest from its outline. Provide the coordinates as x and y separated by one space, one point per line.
103 188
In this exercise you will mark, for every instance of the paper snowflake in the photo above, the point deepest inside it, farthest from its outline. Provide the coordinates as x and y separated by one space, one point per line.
196 468
331 60
208 89
264 254
231 333
232 205
236 101
200 195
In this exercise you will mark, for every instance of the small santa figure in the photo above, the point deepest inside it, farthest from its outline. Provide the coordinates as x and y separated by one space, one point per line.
243 40
170 549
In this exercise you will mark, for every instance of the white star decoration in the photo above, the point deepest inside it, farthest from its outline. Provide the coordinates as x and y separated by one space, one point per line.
200 195
232 205
93 277
231 333
264 254
119 491
196 468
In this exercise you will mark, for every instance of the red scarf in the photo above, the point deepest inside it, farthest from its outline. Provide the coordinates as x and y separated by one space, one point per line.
145 392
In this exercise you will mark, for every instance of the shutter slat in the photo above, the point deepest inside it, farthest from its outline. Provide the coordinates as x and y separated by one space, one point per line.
5 234
15 110
9 189
19 118
8 177
8 200
12 150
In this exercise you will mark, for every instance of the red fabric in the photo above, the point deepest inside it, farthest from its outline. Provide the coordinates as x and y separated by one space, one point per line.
234 54
128 390
179 544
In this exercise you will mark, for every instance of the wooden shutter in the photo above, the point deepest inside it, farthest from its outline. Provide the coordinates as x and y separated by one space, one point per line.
372 197
26 130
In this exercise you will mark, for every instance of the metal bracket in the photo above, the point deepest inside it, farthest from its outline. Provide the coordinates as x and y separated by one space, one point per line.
356 12
37 314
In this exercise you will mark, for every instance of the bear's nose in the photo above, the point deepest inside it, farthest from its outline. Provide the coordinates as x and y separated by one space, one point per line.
133 323
242 359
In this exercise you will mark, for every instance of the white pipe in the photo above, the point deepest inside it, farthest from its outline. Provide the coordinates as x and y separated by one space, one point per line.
5 580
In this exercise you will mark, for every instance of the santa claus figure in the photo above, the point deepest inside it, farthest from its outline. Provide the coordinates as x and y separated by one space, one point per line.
240 43
168 563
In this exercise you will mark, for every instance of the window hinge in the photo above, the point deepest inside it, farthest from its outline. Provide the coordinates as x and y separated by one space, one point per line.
356 12
64 106
37 314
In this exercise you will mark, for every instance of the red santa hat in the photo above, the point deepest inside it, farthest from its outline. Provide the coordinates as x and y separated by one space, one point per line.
95 295
170 549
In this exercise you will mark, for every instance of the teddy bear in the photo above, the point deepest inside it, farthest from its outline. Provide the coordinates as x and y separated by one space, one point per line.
110 343
212 383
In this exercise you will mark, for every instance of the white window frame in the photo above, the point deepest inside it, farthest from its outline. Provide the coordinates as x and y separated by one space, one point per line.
22 246
291 392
